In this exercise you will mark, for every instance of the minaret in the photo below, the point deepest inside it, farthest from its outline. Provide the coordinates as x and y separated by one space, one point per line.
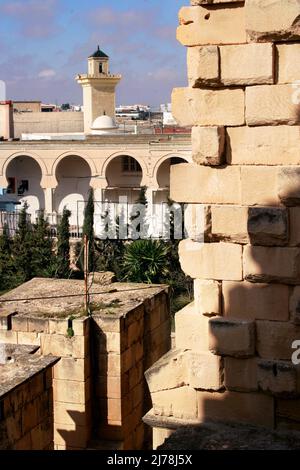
99 88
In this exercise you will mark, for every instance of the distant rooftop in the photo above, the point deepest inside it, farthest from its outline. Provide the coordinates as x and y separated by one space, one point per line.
99 53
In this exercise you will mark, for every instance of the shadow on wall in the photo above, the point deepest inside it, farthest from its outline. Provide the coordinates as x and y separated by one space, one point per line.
261 316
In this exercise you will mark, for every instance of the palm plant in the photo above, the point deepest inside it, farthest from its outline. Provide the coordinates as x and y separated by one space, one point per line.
146 261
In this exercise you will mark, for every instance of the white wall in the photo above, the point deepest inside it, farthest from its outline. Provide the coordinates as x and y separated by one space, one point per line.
74 176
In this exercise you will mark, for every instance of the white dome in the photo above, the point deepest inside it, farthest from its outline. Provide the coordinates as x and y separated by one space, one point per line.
104 123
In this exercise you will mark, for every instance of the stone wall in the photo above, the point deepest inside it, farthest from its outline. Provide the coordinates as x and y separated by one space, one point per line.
99 390
26 399
53 123
234 343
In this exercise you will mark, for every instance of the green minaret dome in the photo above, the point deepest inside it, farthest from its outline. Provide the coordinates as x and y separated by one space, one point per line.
99 53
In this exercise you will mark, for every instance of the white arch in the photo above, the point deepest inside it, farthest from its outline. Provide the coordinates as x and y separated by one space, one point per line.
61 157
35 157
140 160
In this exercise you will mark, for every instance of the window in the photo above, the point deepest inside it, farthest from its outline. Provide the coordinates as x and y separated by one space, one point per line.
130 165
23 186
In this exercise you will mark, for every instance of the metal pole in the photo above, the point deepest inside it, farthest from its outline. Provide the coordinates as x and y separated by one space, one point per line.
86 273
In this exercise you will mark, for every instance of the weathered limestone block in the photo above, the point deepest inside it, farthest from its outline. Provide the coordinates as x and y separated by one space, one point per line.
294 226
295 305
246 300
240 374
264 145
251 408
191 183
275 339
289 185
288 62
260 225
208 144
266 264
231 337
277 377
271 104
267 226
203 65
179 402
272 19
207 107
197 222
204 25
191 329
247 64
259 186
168 372
229 223
207 295
217 261
204 370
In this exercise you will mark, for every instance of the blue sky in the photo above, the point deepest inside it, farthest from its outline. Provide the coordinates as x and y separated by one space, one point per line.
45 43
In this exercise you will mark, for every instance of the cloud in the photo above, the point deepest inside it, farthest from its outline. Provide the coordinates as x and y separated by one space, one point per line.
47 73
35 18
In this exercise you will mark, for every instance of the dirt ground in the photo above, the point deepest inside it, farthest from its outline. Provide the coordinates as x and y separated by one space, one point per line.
231 437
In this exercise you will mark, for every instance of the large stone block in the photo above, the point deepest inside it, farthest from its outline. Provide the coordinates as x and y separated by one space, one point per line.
204 371
191 329
268 226
271 104
179 402
204 25
229 223
294 226
208 107
240 374
217 261
207 295
277 377
257 225
71 391
250 301
275 339
193 183
259 186
288 185
203 65
168 372
231 337
266 264
208 144
288 62
264 145
247 64
272 19
59 345
250 408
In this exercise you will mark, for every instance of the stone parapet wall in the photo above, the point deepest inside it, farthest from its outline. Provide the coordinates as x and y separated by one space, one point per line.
243 102
26 399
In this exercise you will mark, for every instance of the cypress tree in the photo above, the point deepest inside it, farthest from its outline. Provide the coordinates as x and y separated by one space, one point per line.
7 268
63 246
88 228
142 227
23 248
43 258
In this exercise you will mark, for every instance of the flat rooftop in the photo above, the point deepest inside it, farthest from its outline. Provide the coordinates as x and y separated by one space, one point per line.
61 298
18 364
